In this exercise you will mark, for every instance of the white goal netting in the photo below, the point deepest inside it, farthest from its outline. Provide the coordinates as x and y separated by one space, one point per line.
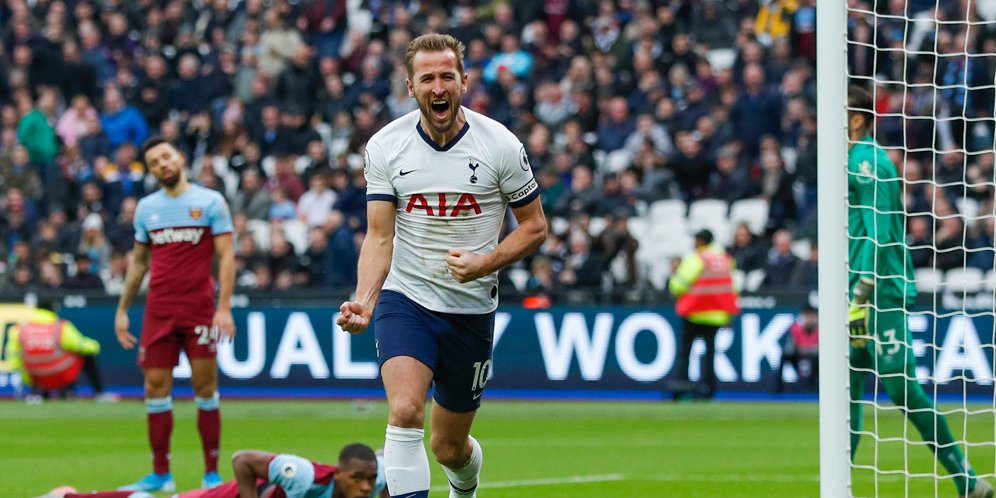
930 67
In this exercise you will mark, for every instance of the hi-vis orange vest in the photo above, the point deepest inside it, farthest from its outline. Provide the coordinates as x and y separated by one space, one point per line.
49 366
713 290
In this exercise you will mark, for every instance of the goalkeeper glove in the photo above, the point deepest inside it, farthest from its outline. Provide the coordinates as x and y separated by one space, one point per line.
857 315
857 318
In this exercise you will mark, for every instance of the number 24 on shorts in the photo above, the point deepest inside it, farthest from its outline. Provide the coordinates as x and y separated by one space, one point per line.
207 335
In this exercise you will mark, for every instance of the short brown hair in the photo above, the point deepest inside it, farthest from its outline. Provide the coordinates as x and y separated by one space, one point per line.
150 143
860 102
434 43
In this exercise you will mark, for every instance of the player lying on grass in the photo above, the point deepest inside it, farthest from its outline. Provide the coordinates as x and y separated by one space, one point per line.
258 474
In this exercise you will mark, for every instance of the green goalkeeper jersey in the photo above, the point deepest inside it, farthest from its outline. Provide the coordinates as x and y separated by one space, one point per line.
876 225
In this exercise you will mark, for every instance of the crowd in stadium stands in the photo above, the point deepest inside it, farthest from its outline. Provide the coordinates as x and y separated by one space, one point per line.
623 105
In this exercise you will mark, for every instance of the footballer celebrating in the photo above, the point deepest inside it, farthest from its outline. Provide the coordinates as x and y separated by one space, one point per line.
439 183
178 231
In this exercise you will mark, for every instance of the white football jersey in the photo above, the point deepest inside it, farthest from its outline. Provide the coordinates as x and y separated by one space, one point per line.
454 196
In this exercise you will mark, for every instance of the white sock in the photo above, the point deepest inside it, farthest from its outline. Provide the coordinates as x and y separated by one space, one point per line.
406 465
465 478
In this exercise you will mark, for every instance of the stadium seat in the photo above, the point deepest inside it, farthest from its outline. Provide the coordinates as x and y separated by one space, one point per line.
989 280
617 161
637 227
928 279
296 232
710 214
754 212
802 248
519 278
658 274
968 207
667 209
739 279
269 165
753 280
963 280
559 226
596 225
260 230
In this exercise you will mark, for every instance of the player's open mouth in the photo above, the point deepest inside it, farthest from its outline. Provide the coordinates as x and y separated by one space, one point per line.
440 108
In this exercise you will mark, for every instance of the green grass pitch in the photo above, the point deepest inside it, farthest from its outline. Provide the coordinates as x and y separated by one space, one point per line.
532 449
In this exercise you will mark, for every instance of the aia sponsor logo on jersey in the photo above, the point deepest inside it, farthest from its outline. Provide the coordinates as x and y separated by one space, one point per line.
465 203
196 213
173 235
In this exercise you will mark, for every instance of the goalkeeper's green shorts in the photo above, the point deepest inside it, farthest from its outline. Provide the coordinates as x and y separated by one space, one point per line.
890 351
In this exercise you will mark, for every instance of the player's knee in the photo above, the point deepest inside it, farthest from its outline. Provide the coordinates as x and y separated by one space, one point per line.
447 451
407 413
156 386
205 390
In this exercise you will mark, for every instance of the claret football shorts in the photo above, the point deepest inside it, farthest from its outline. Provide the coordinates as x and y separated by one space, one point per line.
163 337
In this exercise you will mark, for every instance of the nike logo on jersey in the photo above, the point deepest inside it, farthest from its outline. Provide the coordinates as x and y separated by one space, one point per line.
477 396
403 172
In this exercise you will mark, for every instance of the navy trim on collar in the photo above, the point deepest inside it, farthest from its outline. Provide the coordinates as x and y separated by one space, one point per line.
434 145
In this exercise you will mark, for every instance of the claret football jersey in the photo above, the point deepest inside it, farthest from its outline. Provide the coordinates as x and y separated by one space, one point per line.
180 234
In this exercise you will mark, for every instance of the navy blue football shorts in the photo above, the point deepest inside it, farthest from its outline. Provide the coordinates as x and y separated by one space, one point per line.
456 347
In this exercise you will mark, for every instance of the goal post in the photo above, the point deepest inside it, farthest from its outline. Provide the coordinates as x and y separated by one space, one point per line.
831 57
930 68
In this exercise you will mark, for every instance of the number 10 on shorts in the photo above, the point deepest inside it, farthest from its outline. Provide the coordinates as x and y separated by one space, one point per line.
481 370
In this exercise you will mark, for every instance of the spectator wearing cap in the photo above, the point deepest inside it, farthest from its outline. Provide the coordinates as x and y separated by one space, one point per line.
706 301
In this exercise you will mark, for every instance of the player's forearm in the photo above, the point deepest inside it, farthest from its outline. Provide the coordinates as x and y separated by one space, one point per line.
523 241
375 261
248 466
133 282
245 478
226 281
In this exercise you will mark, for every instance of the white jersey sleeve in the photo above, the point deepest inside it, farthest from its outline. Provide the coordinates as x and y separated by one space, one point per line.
375 171
518 186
